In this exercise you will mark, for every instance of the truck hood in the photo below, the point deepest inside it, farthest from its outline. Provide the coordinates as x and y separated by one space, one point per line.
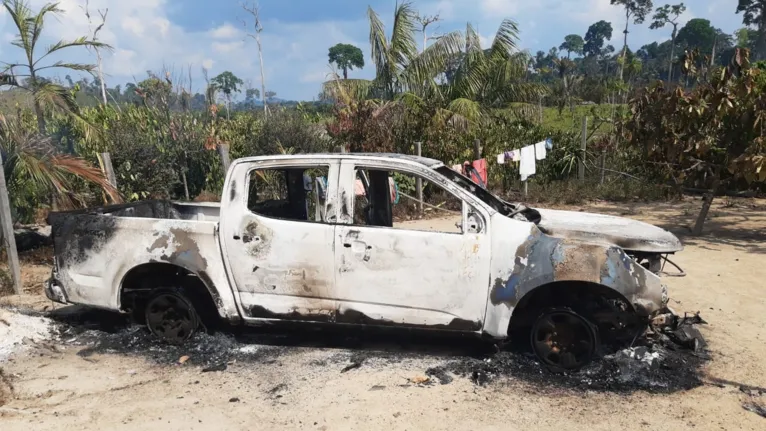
628 234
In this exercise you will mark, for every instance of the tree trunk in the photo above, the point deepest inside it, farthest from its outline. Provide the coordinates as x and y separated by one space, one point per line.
707 202
186 185
101 76
625 43
263 77
672 53
345 73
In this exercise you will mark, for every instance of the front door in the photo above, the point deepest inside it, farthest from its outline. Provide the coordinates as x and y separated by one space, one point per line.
394 268
278 240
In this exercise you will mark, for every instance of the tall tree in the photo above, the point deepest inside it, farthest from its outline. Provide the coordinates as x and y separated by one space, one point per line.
598 33
636 9
46 94
669 15
254 11
573 43
425 21
229 84
698 33
346 57
754 13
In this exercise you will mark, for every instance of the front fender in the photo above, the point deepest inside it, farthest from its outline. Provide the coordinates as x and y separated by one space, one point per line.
543 259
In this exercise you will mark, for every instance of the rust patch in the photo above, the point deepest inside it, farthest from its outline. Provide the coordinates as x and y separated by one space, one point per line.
186 252
161 242
582 262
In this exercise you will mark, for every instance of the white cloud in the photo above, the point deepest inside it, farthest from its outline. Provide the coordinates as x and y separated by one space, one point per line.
226 31
208 63
225 47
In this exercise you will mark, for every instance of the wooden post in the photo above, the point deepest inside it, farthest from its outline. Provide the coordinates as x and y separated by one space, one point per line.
419 181
526 188
106 159
340 149
223 151
603 164
7 227
476 149
581 173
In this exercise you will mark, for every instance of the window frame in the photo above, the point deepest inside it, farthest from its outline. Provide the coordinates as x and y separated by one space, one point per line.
304 166
425 174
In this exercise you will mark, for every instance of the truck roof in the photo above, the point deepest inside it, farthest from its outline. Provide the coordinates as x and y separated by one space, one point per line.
425 161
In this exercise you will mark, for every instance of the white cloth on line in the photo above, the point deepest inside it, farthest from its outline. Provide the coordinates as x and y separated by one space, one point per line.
540 150
501 158
527 165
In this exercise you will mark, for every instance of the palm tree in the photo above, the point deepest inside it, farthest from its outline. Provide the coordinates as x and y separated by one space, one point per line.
32 164
477 79
46 95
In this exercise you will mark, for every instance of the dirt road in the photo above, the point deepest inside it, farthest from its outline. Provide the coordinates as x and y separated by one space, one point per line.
111 378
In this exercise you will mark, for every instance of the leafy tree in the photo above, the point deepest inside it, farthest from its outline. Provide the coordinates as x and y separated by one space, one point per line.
46 94
595 38
229 84
636 9
746 38
346 57
698 33
712 132
669 15
754 13
573 43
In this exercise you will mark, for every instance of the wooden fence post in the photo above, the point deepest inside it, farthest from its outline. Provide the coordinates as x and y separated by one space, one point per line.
223 151
418 181
108 169
581 170
476 149
7 227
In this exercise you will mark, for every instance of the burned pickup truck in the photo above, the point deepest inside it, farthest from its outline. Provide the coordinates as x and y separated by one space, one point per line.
316 239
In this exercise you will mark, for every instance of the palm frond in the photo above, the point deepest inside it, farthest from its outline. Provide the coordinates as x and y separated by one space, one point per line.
403 45
72 66
55 96
82 41
20 14
38 21
422 69
378 43
505 39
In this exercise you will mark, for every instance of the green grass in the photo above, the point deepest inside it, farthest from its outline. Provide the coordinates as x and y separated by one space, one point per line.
571 120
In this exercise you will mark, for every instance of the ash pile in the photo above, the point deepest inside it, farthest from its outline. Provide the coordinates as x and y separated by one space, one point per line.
668 357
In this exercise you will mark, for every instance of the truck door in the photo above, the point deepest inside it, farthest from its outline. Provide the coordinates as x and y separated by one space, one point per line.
395 268
277 232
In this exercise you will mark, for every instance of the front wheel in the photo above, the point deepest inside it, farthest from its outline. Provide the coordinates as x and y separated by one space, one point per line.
563 339
170 315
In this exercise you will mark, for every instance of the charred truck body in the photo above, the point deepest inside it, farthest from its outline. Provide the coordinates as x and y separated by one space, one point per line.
290 240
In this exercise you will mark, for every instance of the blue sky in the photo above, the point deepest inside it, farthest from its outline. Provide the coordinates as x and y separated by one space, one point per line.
183 34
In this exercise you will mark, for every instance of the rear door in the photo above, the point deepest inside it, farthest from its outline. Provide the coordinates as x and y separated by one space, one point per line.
394 268
277 233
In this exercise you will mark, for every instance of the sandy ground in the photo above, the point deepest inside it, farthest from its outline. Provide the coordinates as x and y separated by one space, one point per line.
54 387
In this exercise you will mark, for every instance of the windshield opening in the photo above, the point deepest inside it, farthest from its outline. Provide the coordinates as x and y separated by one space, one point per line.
501 206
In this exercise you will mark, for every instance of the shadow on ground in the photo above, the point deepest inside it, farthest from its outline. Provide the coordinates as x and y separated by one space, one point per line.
443 356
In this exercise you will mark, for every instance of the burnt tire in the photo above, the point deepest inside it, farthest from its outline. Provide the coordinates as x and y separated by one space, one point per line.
563 340
170 315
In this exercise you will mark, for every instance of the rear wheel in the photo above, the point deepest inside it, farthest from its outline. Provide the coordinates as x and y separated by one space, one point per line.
563 340
171 316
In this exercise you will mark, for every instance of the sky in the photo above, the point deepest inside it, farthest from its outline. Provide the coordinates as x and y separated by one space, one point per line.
186 35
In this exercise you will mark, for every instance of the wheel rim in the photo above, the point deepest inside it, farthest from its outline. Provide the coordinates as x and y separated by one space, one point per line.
563 339
170 318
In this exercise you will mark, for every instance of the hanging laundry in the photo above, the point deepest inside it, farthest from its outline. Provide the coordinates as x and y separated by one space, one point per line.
527 165
514 155
548 144
457 168
478 172
501 159
540 150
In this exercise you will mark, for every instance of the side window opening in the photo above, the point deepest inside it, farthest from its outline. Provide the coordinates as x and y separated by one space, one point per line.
387 198
294 193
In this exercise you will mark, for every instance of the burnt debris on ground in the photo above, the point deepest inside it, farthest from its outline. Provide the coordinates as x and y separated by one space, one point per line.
665 360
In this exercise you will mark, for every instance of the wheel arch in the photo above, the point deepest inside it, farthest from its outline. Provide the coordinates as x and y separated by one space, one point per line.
588 298
140 280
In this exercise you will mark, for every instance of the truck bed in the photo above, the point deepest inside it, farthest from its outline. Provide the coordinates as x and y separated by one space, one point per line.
96 248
